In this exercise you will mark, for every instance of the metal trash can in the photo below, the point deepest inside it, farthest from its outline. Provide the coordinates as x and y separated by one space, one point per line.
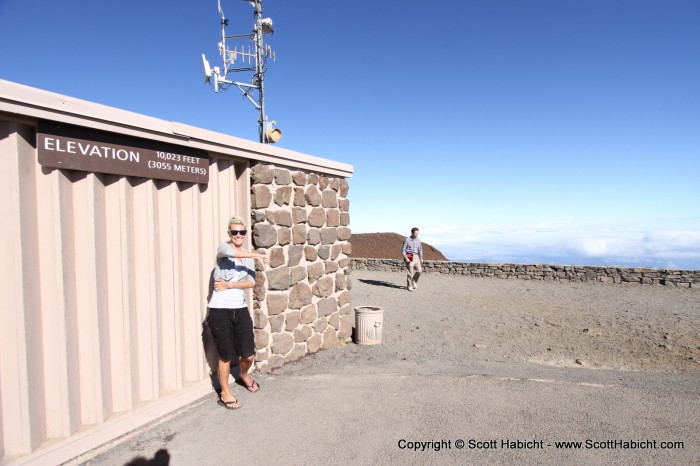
368 325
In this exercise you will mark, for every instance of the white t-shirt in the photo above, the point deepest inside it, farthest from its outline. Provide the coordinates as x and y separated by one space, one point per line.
231 269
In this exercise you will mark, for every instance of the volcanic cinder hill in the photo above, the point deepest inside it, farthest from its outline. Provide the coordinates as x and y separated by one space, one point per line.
386 246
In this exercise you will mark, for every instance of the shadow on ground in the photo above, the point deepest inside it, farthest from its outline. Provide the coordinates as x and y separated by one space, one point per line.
382 283
161 458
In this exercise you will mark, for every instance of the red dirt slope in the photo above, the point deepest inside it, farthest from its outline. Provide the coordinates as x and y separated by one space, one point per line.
386 246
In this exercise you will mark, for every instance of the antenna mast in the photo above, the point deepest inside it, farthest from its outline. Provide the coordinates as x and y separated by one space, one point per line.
244 58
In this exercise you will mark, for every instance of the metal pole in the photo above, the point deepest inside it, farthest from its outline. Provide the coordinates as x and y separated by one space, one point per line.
259 72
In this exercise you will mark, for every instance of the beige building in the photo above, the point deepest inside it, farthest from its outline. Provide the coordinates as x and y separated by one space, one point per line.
111 223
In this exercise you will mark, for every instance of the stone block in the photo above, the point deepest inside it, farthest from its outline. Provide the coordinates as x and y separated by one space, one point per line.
300 296
340 281
283 218
312 178
332 217
323 182
261 355
334 184
283 195
320 324
278 279
330 338
303 333
262 339
262 173
260 319
329 235
317 217
299 234
314 271
344 188
345 310
312 196
282 176
277 257
330 266
334 320
324 252
264 236
344 262
323 288
344 205
311 253
292 321
299 215
345 329
299 178
260 196
276 303
314 343
344 219
295 254
308 314
284 236
282 343
336 250
259 288
296 275
329 199
347 248
275 362
313 236
344 233
298 352
344 298
276 323
299 197
327 306
257 216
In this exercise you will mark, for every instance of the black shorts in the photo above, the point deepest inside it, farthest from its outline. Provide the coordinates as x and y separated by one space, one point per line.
232 330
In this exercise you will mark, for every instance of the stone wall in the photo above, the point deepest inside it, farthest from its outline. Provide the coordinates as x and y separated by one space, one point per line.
302 299
570 273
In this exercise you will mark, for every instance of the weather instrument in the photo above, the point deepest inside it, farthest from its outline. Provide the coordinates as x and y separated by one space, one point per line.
246 53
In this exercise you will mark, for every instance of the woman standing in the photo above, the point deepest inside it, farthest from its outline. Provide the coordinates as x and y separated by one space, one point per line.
228 318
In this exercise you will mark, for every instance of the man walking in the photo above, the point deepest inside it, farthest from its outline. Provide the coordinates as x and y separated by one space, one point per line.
412 253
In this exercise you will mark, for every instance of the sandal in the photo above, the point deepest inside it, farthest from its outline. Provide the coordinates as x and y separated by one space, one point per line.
252 388
227 404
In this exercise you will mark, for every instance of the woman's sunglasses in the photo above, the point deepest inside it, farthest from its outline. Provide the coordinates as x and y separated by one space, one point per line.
238 232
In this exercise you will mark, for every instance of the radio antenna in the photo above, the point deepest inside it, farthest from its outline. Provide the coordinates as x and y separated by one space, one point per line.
242 56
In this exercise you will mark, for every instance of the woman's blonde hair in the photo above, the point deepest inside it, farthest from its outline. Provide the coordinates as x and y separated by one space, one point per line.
236 221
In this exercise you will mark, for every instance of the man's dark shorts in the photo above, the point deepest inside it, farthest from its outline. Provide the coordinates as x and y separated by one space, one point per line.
232 330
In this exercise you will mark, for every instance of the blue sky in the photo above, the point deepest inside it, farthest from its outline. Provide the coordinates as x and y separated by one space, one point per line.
507 130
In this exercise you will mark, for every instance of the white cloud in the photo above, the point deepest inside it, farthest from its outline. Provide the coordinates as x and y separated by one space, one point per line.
569 243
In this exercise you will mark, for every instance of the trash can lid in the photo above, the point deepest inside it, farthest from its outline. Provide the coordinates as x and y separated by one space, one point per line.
368 309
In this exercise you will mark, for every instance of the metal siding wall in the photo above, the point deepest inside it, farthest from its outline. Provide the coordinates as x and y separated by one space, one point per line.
104 289
14 382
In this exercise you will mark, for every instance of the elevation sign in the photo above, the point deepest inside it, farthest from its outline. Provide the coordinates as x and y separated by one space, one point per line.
75 148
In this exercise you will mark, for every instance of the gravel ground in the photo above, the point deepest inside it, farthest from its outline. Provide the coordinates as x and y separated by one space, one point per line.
594 325
480 360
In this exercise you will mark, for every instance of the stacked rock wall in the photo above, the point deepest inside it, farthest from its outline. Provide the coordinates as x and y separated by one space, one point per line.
302 298
568 273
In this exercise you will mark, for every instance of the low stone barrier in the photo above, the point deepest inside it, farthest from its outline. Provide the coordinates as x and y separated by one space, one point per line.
568 273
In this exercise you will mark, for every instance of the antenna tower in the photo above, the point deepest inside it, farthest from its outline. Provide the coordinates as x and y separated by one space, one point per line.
239 55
